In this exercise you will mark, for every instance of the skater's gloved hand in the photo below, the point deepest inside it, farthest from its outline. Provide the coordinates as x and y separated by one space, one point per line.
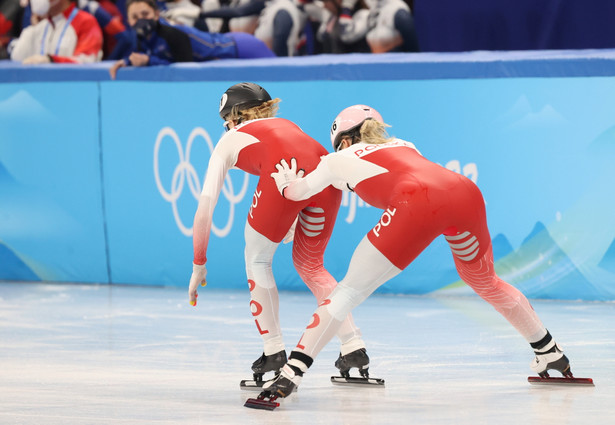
198 278
286 174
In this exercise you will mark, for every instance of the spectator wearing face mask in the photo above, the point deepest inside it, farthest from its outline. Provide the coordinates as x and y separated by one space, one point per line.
64 34
160 43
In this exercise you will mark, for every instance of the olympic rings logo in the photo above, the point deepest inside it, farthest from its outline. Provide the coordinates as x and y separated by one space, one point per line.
185 174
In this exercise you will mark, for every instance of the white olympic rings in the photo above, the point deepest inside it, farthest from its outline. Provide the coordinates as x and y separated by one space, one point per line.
185 172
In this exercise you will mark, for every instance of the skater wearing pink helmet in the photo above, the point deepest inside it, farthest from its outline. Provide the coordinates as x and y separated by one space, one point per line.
420 201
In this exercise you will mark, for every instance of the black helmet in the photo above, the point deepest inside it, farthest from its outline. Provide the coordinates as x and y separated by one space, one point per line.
243 95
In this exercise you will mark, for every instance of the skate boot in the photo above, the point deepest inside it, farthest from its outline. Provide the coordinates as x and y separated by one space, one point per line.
264 364
549 356
282 386
358 359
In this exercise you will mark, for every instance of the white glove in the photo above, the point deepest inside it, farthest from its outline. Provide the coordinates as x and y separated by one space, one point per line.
36 60
198 278
290 235
286 174
181 12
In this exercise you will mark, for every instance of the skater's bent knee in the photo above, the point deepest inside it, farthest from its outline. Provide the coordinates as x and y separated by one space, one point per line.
343 299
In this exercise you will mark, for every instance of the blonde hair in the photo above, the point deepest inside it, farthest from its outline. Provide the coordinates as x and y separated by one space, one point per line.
374 132
266 109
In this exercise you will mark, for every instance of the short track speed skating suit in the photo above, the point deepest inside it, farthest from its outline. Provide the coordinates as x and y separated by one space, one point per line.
420 201
256 147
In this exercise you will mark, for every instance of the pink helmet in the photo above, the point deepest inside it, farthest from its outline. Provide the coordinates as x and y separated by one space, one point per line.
349 119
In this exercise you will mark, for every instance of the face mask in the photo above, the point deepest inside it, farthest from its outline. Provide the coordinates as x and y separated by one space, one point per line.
39 7
144 27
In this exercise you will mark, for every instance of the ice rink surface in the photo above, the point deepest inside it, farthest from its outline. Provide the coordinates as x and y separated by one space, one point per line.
89 354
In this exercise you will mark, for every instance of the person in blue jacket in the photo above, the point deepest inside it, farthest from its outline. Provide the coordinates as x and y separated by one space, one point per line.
118 40
160 43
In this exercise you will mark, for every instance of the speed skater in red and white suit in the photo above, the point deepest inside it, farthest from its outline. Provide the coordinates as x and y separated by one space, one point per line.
256 146
420 201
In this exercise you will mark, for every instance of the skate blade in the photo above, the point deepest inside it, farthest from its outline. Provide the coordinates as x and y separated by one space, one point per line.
251 385
262 404
537 380
340 380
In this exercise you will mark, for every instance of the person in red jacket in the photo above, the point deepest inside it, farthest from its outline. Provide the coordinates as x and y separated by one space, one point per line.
255 141
420 201
66 34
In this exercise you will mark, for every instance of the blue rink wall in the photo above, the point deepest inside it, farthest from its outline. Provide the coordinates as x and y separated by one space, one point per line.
99 179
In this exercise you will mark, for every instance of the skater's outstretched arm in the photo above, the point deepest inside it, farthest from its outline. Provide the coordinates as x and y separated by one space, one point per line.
222 159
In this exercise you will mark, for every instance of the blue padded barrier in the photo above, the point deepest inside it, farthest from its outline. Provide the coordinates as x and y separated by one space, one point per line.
99 178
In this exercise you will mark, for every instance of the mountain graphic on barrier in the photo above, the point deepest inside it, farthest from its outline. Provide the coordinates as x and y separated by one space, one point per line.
5 176
13 268
501 246
540 268
604 144
608 261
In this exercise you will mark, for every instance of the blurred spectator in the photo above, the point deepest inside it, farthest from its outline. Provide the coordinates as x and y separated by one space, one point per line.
238 24
323 20
375 26
279 22
121 6
184 19
390 27
220 16
160 43
11 13
117 39
60 32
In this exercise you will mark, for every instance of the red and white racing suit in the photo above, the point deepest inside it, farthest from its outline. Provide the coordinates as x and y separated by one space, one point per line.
256 147
421 200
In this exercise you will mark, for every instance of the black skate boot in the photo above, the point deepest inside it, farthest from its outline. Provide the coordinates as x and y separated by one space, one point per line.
264 364
282 386
549 356
358 359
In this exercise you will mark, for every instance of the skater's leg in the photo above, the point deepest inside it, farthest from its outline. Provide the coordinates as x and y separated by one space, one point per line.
368 270
311 237
516 308
505 298
264 302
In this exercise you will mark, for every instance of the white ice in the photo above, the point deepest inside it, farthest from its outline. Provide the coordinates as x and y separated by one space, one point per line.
89 354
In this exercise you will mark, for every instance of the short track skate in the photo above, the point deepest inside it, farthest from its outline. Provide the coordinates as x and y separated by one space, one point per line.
357 359
252 385
264 401
363 380
264 364
567 379
543 378
255 385
353 380
549 356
